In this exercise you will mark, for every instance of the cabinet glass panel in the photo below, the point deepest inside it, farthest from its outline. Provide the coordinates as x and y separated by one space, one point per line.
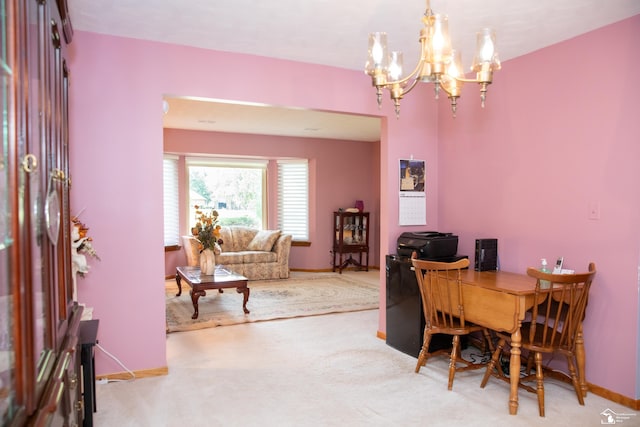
35 181
65 214
7 357
6 73
57 216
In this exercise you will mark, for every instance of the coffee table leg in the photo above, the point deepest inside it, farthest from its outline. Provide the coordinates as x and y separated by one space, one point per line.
245 292
179 285
194 299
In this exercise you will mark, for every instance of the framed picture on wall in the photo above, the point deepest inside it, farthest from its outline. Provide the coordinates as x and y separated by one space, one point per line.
412 175
412 201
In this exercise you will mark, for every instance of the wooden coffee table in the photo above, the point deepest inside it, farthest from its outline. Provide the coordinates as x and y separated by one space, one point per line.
221 279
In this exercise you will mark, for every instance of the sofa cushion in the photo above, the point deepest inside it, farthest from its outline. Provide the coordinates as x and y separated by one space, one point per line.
227 240
241 237
256 257
264 240
229 258
246 257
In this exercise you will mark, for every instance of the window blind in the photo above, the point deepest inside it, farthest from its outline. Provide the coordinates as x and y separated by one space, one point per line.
171 204
293 198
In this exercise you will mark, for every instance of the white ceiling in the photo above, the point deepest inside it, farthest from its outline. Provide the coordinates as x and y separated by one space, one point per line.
220 116
331 32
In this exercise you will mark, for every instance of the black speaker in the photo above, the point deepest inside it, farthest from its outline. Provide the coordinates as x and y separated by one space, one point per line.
486 254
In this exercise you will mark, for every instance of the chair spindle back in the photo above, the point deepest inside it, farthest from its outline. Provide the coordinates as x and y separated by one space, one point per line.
559 308
440 289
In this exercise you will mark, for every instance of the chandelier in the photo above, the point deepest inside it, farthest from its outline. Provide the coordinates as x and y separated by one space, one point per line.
439 63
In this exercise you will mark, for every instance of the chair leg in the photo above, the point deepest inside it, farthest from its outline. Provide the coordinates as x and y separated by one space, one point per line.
530 362
424 351
574 379
487 337
580 361
540 383
452 360
492 363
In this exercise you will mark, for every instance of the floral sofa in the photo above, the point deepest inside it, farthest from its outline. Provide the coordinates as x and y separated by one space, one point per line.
256 254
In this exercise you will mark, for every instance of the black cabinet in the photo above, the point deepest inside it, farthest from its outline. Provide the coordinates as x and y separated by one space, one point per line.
405 317
88 340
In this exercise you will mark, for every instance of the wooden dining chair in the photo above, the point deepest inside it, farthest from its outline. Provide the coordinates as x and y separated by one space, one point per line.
555 327
443 306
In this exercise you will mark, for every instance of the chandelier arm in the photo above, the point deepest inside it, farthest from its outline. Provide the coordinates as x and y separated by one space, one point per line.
410 86
443 87
416 71
414 74
469 80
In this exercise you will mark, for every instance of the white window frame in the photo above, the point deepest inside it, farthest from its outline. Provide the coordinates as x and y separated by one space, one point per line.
221 162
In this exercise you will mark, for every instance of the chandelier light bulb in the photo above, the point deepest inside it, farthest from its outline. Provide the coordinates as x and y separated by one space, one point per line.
395 66
440 42
454 68
378 57
376 54
452 80
485 51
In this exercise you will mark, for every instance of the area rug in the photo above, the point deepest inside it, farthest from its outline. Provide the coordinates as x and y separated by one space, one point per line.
270 299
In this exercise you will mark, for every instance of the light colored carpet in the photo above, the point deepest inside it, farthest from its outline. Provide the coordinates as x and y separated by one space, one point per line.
300 295
323 371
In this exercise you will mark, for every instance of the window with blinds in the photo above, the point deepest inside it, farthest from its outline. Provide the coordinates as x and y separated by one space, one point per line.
171 205
293 198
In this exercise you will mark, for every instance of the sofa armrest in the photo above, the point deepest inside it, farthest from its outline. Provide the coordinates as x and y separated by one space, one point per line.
191 247
282 247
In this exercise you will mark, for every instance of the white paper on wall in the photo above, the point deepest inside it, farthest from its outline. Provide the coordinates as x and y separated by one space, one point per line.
412 209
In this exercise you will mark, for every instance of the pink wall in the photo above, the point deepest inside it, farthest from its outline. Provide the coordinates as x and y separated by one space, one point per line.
559 133
342 171
565 137
117 143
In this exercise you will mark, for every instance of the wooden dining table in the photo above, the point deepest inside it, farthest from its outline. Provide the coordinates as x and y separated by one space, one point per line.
499 300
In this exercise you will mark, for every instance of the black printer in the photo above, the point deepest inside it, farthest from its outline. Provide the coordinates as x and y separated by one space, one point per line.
429 245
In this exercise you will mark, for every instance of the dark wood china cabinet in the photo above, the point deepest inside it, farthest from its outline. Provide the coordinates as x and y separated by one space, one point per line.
350 236
39 321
